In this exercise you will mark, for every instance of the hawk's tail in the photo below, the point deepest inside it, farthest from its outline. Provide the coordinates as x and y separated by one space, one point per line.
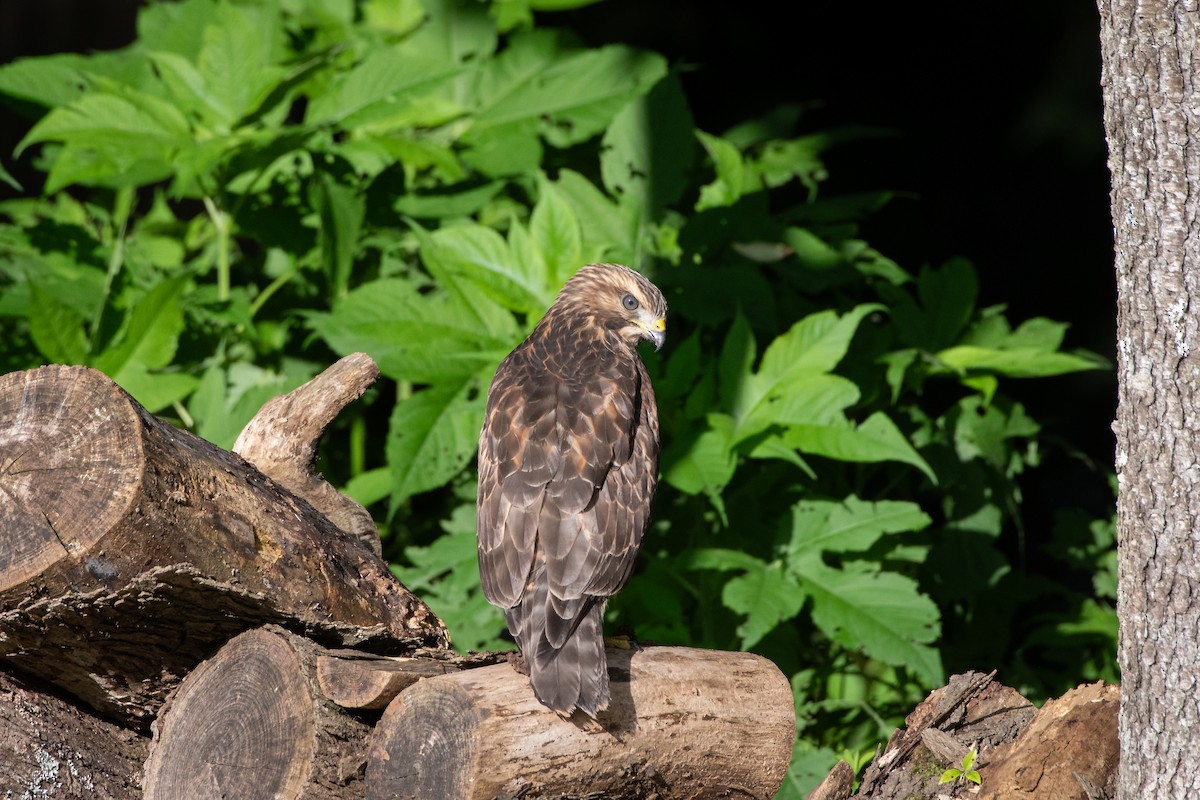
574 675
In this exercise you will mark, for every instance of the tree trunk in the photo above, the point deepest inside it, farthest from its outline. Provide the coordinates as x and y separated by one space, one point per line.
129 549
1151 68
251 723
683 723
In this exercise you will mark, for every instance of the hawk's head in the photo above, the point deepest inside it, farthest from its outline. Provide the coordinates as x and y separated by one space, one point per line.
619 300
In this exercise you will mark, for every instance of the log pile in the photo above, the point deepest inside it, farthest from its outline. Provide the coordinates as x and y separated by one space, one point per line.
1066 750
178 621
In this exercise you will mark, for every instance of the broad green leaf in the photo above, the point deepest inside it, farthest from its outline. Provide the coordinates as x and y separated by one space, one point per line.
235 58
413 336
342 210
648 149
766 596
876 439
150 335
381 92
805 400
881 613
478 254
57 328
705 462
568 96
611 232
557 237
431 437
369 487
1022 362
47 81
853 524
735 363
812 346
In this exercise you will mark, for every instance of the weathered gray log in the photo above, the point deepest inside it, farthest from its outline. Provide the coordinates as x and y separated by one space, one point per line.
359 681
251 723
51 748
683 723
129 549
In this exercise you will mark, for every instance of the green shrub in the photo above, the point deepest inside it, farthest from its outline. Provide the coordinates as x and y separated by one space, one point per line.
254 188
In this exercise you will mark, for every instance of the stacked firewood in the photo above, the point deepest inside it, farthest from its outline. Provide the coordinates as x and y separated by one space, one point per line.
179 621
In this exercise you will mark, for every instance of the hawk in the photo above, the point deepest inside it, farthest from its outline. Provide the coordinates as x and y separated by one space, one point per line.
568 462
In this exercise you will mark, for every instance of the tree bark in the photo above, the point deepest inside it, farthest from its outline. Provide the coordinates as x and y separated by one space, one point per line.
1151 68
251 723
49 748
129 549
683 723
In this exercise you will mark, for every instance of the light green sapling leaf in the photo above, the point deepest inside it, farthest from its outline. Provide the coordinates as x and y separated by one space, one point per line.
432 436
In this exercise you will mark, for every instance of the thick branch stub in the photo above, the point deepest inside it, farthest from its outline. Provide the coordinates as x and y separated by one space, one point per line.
281 441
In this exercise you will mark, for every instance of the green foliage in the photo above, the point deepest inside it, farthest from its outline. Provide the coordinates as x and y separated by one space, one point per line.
254 188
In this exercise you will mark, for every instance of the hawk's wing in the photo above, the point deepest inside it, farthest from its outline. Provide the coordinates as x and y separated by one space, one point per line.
567 474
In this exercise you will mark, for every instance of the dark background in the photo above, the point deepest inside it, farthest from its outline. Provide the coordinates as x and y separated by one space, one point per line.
999 154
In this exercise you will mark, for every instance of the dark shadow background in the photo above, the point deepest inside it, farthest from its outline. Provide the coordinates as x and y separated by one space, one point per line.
1000 152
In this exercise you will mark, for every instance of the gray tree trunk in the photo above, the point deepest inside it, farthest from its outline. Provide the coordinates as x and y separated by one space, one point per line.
1152 118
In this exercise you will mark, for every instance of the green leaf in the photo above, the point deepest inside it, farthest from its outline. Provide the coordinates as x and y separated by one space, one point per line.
880 612
342 210
478 254
432 436
1022 362
414 336
150 335
853 524
734 178
766 596
876 439
567 97
703 462
558 239
649 148
718 558
57 328
9 179
611 233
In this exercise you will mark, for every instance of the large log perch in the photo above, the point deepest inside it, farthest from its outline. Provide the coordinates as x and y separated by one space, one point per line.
683 723
128 549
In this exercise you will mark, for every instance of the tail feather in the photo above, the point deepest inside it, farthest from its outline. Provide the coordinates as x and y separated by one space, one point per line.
574 675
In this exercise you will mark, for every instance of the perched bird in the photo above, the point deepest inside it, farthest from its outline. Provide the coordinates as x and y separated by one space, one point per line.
568 462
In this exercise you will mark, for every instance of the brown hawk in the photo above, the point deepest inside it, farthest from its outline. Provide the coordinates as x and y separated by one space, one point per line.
568 462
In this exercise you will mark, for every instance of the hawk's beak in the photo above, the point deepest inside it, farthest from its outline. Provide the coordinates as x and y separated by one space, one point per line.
656 332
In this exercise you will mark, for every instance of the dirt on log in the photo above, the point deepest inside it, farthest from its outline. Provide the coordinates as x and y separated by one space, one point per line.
1067 750
129 549
683 723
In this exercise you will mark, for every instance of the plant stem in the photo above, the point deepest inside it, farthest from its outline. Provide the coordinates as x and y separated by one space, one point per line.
220 222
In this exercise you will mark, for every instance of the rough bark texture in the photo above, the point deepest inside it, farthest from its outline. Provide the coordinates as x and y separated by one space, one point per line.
51 749
1067 750
252 723
128 548
683 723
972 710
355 680
281 441
1151 78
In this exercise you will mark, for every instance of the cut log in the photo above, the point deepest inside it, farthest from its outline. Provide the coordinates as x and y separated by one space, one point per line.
129 549
1068 752
51 748
281 441
682 723
370 682
251 723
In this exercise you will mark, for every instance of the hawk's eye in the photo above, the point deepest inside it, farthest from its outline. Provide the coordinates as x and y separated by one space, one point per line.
630 302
